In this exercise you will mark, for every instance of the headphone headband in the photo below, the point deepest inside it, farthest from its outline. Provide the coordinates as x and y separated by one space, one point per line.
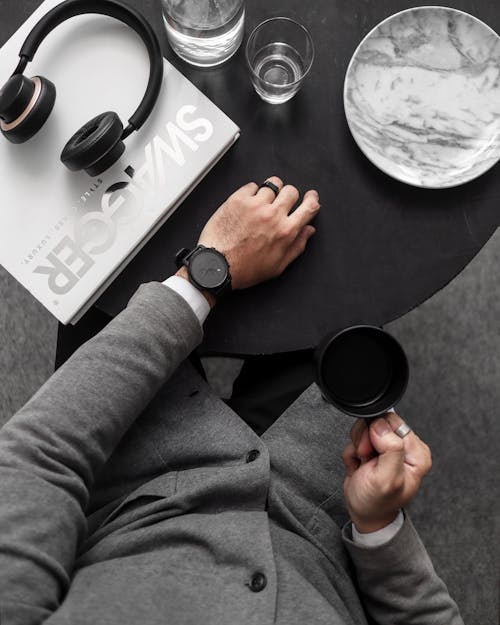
121 12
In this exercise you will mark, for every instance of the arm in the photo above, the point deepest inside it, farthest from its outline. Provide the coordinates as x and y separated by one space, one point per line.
396 579
51 451
52 448
398 583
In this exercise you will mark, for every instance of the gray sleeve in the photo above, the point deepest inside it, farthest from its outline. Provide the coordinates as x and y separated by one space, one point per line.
52 448
398 583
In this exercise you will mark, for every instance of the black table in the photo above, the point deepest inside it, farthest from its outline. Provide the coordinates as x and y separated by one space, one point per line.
381 247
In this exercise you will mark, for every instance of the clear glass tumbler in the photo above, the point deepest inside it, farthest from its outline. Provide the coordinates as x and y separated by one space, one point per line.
204 32
280 53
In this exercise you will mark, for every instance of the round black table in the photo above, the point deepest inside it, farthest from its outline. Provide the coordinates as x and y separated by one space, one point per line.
381 247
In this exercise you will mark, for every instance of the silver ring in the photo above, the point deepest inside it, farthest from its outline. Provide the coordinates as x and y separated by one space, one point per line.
403 430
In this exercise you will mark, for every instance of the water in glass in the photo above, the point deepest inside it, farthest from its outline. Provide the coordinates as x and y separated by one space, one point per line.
278 65
204 32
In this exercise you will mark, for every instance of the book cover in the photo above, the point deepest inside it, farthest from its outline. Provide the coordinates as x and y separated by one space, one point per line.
65 235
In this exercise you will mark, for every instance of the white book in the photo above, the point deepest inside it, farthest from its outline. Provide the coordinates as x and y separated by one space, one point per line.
65 235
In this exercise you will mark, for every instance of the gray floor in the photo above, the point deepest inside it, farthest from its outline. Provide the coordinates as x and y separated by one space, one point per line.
453 343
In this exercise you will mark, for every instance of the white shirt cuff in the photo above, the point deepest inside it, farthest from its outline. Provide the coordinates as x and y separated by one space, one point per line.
190 293
380 537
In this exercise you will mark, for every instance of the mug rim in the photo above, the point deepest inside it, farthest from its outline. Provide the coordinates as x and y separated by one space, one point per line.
324 346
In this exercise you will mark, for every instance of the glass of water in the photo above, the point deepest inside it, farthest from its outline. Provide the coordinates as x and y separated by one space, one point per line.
280 54
204 32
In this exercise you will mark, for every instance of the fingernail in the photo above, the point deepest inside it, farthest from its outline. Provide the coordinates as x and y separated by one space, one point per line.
382 427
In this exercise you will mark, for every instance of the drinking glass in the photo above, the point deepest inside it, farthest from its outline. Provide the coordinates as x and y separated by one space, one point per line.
204 32
280 54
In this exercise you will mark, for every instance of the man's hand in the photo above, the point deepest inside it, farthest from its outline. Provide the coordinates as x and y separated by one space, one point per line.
383 472
257 234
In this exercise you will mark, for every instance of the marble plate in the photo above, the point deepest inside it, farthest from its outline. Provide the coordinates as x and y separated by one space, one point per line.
422 97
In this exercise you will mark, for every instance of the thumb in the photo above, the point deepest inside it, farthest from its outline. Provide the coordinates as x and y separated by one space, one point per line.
390 448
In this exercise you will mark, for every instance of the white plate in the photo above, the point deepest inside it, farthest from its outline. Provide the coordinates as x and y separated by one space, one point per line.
422 97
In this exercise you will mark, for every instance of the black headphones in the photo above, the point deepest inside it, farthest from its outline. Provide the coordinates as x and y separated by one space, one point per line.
26 103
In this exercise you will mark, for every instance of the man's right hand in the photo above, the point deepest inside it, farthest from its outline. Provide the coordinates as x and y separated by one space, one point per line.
256 232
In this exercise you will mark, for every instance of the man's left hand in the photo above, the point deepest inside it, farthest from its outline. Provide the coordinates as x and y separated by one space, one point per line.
383 471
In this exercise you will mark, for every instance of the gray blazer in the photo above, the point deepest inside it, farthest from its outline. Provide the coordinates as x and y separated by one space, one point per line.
127 496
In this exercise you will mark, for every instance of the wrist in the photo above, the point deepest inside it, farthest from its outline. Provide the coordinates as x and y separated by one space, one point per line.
369 526
211 299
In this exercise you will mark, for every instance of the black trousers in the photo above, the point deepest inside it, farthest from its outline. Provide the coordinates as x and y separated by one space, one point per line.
263 390
267 385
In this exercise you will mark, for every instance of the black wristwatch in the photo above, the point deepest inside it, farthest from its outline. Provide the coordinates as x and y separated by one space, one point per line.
207 268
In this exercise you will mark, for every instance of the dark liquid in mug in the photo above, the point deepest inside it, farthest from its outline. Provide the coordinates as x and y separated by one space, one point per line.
357 369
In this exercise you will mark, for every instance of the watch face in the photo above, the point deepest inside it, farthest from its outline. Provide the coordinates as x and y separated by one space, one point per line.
209 269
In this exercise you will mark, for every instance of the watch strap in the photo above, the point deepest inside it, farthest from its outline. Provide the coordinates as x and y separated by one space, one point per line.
183 255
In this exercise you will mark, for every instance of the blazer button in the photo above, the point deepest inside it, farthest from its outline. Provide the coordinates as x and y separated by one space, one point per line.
253 455
258 582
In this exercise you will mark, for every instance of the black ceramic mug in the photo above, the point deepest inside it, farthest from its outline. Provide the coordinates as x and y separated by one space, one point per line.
363 371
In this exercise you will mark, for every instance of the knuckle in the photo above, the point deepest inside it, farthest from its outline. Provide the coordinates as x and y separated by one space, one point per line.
392 486
312 205
385 489
428 459
236 200
425 456
292 191
398 483
396 444
267 215
284 231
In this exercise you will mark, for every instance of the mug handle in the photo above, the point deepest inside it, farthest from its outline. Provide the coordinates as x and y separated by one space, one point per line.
370 420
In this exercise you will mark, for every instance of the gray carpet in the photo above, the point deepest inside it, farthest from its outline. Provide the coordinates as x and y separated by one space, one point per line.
453 342
27 345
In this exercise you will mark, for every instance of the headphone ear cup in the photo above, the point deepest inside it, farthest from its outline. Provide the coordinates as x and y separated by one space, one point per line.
96 146
25 113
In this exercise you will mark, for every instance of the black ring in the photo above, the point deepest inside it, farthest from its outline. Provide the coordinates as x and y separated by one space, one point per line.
270 185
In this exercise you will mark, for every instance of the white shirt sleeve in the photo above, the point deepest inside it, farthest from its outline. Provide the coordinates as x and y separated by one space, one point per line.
190 293
375 539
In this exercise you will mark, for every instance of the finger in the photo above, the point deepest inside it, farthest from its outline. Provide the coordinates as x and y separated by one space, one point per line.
287 198
395 421
306 211
417 453
299 244
267 194
357 430
247 190
365 448
390 448
360 437
351 461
